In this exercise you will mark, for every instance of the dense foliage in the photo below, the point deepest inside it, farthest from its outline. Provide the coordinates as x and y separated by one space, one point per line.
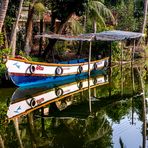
128 15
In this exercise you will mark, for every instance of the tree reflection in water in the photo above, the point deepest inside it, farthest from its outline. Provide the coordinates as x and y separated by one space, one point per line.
70 124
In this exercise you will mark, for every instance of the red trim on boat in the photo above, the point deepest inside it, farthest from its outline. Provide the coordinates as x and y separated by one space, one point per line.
27 74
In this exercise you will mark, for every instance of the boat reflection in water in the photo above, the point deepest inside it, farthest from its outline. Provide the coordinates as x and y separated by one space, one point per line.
25 100
118 112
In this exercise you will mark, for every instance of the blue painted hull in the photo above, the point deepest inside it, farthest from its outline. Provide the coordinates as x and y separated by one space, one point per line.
26 73
23 81
22 92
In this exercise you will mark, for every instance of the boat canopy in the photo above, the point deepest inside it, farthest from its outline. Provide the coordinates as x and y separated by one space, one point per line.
87 37
113 35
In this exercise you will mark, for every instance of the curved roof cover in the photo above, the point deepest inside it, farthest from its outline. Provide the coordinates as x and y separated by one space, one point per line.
117 35
114 35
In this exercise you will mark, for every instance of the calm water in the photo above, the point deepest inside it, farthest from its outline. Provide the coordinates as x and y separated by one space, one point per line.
115 116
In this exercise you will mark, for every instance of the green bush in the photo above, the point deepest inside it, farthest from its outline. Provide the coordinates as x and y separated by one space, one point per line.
1 39
2 65
125 17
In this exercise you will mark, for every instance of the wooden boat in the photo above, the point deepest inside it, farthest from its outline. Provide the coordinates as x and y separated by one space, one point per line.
25 100
24 72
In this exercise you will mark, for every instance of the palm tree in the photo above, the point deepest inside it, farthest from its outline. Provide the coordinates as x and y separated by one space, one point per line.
96 13
29 26
3 10
13 35
34 7
144 21
95 10
145 15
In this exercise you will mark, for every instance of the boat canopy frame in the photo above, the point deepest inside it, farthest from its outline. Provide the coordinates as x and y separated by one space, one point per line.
110 36
113 35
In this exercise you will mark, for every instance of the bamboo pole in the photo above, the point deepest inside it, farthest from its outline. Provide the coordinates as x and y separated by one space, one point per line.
110 54
144 109
121 69
133 51
89 58
89 90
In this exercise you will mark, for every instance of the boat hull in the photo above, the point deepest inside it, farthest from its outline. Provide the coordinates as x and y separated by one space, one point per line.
24 73
23 81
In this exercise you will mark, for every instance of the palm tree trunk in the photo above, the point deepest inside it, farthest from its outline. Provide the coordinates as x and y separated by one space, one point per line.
85 22
31 127
41 39
95 26
5 37
3 10
51 42
29 26
13 35
145 15
50 46
16 125
1 142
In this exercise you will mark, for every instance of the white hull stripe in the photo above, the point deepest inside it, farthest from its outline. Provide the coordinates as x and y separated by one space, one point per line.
17 67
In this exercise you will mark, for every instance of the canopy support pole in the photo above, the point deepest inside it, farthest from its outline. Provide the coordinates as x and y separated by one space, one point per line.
89 90
133 51
110 69
110 54
121 69
89 58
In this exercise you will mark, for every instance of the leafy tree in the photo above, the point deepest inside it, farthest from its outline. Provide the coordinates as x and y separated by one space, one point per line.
11 16
94 11
62 10
145 15
115 2
97 14
124 14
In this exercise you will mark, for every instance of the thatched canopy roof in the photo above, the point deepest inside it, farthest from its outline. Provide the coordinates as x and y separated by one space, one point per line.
114 35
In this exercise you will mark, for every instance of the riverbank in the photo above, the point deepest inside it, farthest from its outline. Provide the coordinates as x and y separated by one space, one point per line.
5 82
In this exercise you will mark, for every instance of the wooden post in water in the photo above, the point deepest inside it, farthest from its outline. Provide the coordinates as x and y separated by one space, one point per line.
42 121
110 54
110 69
31 128
132 71
121 69
144 109
133 79
133 89
89 58
89 90
110 82
133 51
